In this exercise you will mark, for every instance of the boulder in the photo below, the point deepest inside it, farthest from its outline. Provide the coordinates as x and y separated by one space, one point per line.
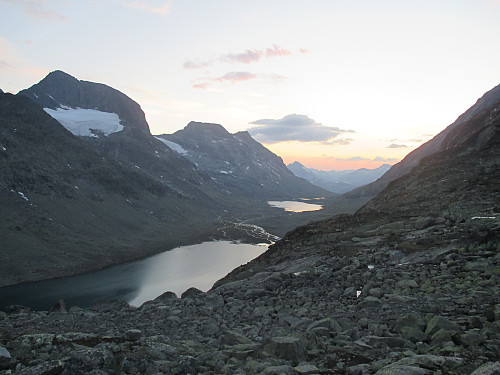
5 358
438 322
59 306
287 347
491 368
192 293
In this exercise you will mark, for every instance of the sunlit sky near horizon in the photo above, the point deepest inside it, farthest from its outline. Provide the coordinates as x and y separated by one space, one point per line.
333 84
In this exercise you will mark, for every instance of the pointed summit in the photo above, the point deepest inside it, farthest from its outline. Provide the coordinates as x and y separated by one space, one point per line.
59 89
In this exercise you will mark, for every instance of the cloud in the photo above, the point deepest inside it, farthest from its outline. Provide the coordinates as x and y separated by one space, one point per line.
252 55
294 127
38 9
246 57
389 160
190 64
201 86
353 158
394 145
236 77
162 9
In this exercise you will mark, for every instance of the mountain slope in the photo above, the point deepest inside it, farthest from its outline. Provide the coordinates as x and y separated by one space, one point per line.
67 209
434 145
133 145
338 181
239 163
457 188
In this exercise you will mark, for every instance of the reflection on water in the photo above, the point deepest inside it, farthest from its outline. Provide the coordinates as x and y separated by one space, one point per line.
196 266
176 270
293 206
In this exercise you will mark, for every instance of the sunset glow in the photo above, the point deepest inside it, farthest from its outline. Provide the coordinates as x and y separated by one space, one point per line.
332 84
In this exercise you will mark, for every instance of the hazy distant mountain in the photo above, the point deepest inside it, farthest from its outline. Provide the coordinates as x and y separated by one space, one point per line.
338 181
239 163
411 160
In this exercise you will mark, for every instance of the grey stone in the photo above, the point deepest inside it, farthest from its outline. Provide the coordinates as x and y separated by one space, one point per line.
491 368
59 307
192 293
133 334
402 370
306 369
370 302
5 358
287 347
278 370
234 338
439 322
47 368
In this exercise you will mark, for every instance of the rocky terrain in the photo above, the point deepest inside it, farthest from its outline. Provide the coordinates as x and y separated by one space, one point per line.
409 284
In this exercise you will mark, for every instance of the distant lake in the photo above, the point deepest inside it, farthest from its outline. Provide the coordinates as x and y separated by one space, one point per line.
176 270
293 206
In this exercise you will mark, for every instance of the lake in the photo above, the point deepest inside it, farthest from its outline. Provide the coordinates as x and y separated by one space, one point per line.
176 270
294 206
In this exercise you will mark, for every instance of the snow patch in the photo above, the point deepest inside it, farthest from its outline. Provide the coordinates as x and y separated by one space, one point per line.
173 146
23 196
81 121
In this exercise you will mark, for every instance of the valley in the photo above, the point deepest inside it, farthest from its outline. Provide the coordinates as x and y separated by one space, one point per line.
400 276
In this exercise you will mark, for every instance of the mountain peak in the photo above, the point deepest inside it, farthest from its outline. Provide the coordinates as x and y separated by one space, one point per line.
60 89
59 75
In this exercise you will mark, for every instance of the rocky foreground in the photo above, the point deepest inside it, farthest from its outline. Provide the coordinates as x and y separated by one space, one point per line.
354 305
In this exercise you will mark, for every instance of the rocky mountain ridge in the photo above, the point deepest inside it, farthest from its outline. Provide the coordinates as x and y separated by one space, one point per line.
432 146
241 165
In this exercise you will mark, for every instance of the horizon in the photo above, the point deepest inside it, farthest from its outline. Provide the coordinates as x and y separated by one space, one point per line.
332 85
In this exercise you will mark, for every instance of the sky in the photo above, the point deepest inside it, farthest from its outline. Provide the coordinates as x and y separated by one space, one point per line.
333 84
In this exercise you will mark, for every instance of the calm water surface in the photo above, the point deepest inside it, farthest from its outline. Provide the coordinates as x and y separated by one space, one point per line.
176 270
293 206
